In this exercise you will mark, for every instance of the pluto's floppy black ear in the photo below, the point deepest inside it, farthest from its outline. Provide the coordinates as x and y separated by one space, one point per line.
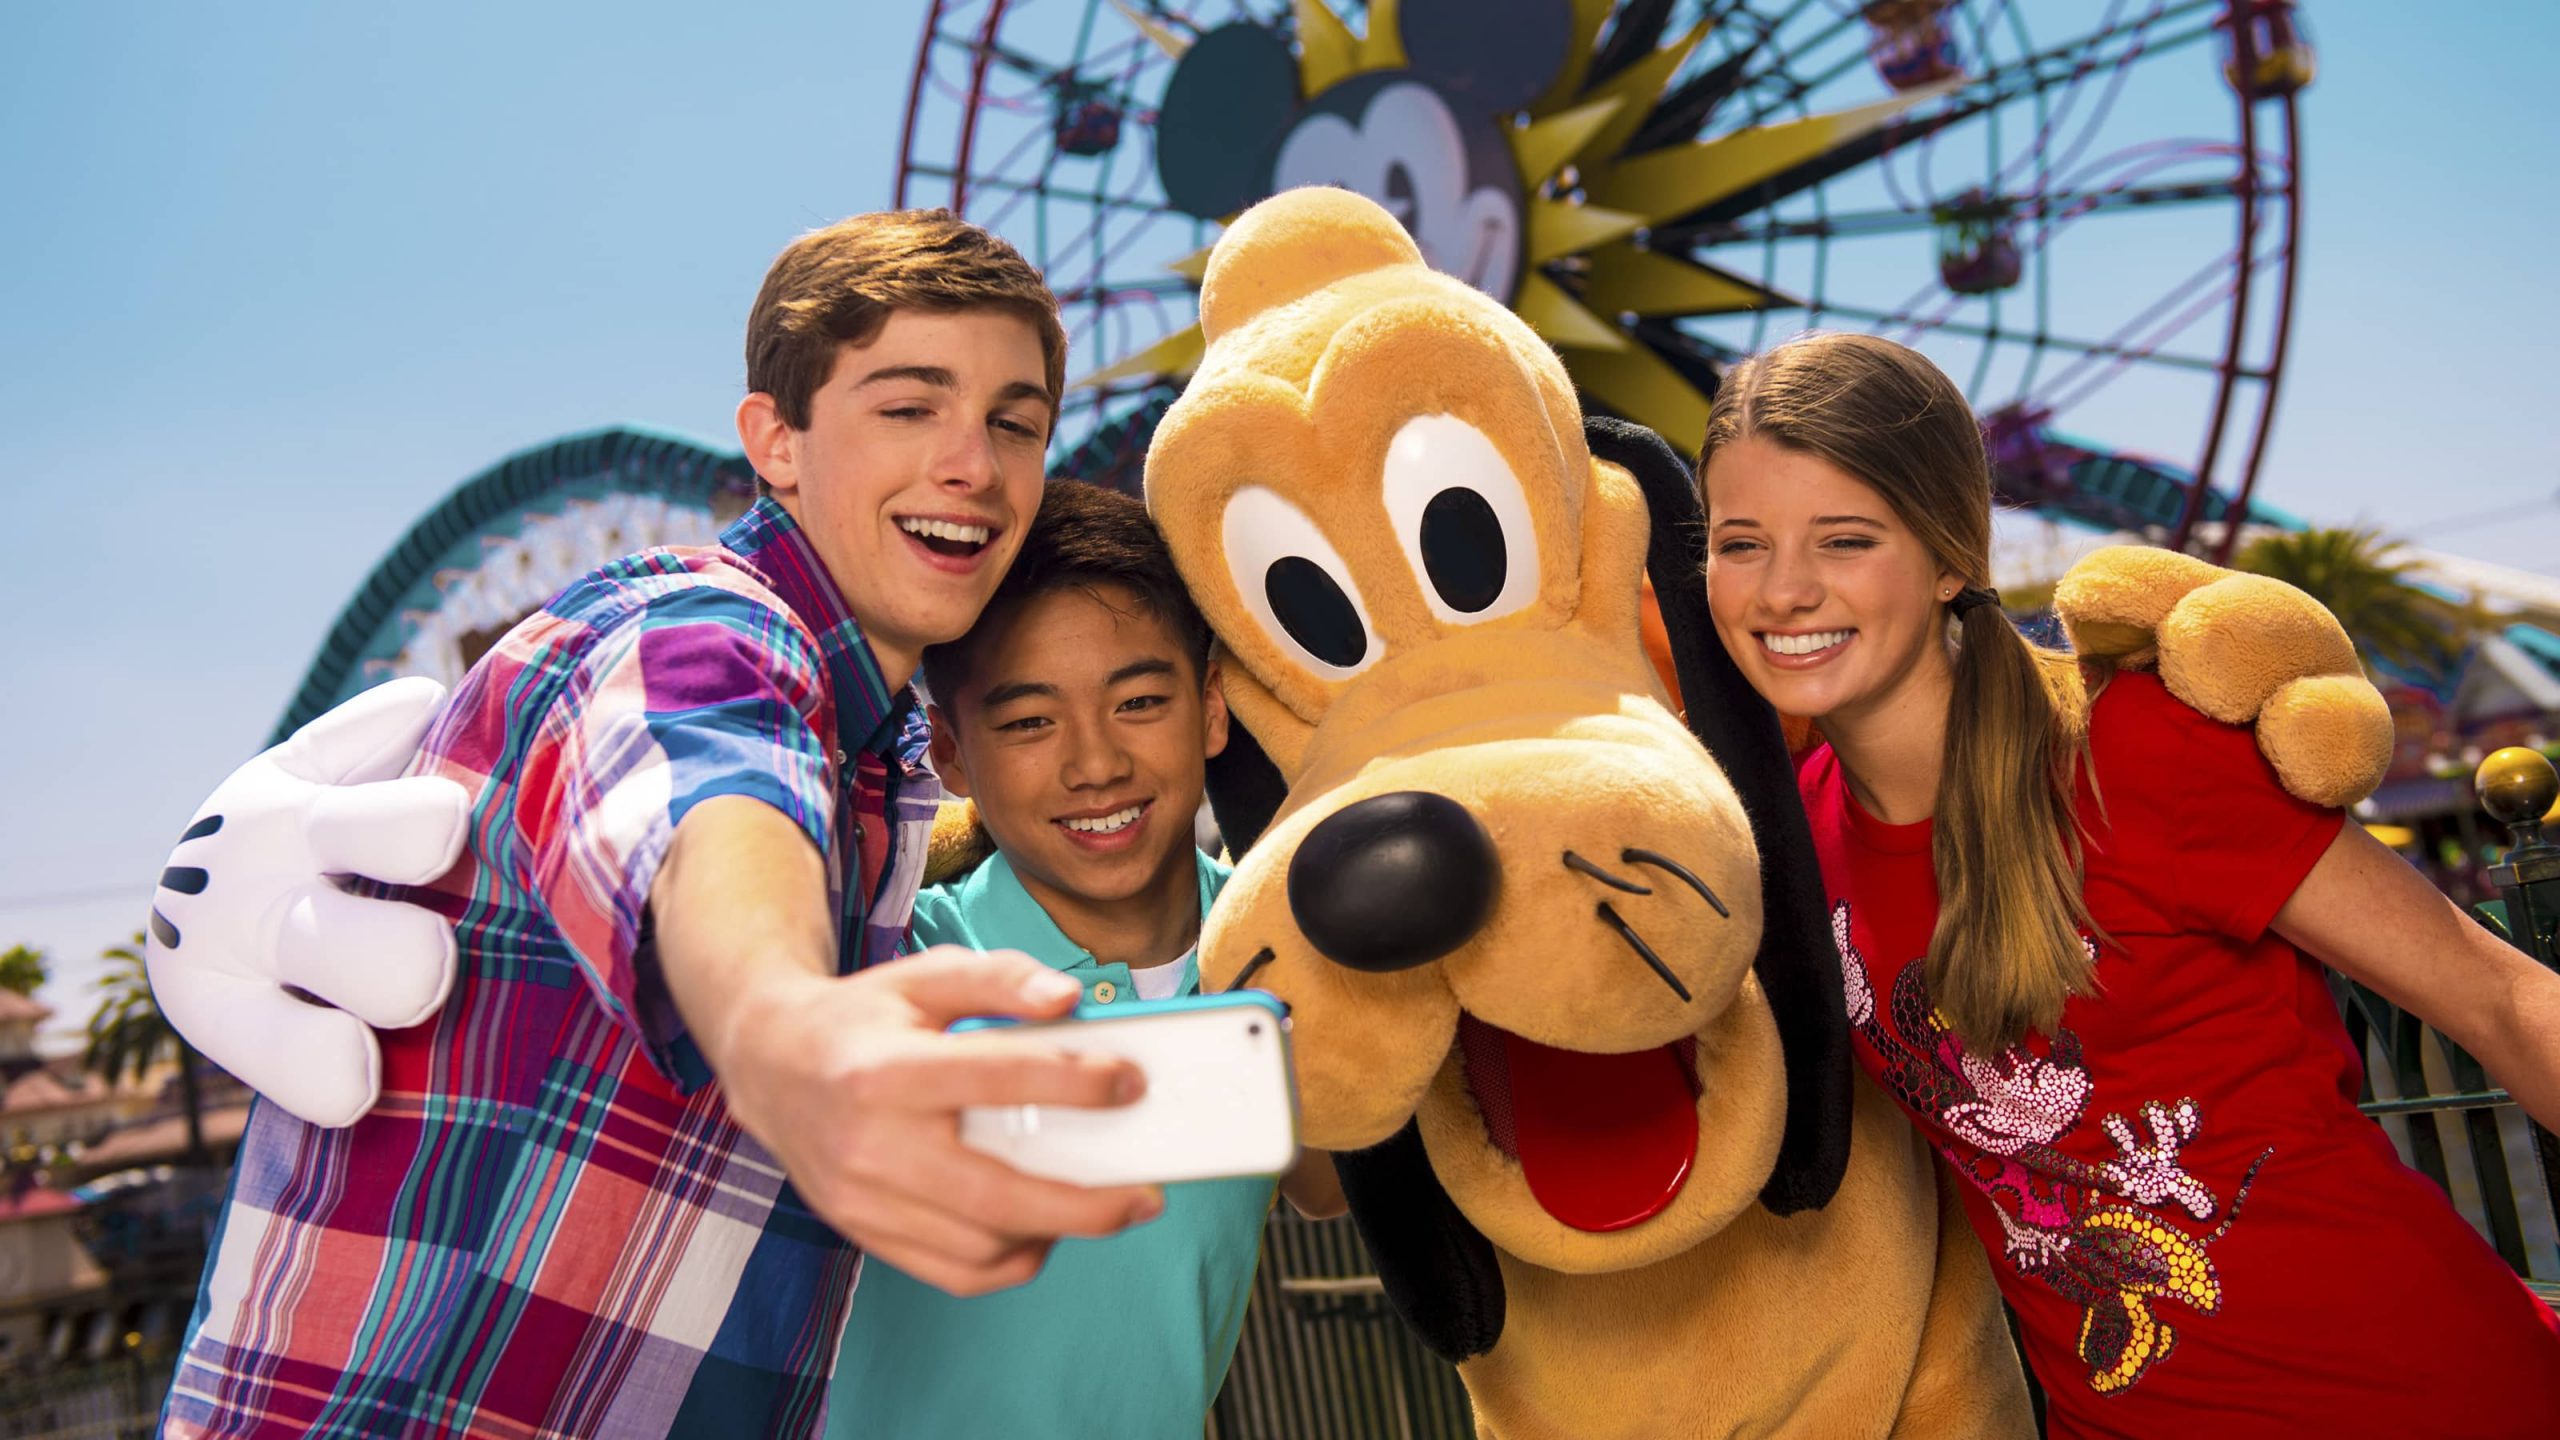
1245 788
1798 966
1438 1269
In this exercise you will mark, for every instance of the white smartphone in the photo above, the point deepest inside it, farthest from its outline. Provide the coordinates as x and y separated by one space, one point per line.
1220 1098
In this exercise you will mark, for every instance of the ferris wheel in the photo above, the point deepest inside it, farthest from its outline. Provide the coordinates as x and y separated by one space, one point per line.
2086 211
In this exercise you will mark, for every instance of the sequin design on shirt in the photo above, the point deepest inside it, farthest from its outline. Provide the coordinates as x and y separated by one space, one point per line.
2078 1227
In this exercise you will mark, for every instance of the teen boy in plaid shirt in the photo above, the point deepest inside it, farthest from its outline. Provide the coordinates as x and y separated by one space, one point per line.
698 816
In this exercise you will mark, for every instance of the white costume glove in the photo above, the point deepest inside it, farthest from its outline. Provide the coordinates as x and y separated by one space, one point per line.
246 907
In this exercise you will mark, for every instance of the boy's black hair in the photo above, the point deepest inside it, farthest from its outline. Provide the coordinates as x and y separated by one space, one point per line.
1083 538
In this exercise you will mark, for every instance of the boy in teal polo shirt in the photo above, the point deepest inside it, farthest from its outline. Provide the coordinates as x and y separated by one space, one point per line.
1079 715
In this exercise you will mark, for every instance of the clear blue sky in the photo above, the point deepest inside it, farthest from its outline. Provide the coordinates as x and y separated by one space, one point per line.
274 279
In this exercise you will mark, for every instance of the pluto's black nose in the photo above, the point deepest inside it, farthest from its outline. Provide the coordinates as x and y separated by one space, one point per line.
1393 881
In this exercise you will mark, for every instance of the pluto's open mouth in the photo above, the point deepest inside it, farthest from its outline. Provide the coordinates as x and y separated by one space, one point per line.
1605 1141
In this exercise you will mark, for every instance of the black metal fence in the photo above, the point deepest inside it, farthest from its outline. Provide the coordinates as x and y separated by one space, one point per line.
2454 1127
2501 1169
117 1400
1324 1355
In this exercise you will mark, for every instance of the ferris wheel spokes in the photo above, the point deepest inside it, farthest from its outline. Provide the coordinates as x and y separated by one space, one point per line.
1042 119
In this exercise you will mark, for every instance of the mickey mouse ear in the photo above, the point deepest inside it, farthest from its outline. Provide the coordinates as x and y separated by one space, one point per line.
1498 54
1230 104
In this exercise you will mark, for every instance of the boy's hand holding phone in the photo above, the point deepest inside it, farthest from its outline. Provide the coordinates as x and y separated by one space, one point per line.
856 1088
1220 1100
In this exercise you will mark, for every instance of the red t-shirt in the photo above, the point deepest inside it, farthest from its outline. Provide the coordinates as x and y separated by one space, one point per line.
2108 1163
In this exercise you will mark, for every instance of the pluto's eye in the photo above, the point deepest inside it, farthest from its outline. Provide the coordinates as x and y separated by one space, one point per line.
1462 549
1296 586
1313 610
1463 521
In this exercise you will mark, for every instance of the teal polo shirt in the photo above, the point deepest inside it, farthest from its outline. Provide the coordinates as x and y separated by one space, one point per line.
1120 1339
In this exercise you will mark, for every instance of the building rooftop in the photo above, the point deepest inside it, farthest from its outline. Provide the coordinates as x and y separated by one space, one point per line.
36 1204
52 1088
164 1139
14 1006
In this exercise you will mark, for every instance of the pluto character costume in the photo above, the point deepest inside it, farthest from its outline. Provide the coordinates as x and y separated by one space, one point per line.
1560 972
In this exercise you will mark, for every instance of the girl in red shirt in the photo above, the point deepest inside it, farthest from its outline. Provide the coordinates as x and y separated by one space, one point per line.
2073 958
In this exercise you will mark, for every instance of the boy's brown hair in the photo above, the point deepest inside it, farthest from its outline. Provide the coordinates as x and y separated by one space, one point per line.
1082 538
836 286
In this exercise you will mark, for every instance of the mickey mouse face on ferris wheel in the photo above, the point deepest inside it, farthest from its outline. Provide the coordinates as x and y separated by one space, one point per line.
1426 141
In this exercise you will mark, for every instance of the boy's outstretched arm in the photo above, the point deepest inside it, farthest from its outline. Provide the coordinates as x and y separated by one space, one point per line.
851 1081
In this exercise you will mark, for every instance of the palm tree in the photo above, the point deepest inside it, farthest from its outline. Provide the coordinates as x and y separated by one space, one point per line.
2355 574
22 969
22 1165
128 1035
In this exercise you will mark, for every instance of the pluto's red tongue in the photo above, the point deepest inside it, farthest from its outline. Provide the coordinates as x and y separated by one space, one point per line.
1604 1140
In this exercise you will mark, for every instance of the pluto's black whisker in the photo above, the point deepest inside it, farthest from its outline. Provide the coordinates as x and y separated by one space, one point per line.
1628 934
1656 857
1576 862
1256 963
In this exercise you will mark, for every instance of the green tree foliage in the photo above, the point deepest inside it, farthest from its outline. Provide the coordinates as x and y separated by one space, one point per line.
128 1035
23 969
2356 573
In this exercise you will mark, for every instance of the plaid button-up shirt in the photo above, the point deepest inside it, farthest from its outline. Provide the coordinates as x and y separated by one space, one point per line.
550 1225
